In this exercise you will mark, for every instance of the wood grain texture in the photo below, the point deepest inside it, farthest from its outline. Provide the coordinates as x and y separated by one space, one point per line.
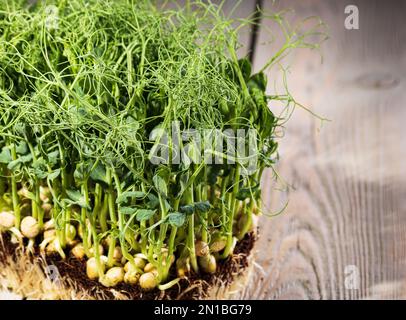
347 195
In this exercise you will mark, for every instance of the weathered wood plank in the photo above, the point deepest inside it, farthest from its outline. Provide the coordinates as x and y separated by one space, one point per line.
347 201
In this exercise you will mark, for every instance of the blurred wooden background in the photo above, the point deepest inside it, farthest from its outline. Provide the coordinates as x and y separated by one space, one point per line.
343 234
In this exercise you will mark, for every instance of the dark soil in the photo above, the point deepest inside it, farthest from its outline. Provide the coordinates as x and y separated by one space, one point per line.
8 249
194 287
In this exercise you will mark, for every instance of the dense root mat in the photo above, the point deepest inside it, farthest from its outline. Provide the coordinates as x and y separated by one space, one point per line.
24 276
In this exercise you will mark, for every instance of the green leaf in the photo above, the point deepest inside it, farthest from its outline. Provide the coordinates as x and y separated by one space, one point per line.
183 181
74 195
176 219
98 174
202 206
213 174
53 157
245 193
40 174
258 80
268 119
160 185
82 171
55 174
22 148
167 206
26 159
145 214
77 198
5 155
188 209
138 194
79 173
20 128
153 202
40 168
130 194
245 67
128 210
13 165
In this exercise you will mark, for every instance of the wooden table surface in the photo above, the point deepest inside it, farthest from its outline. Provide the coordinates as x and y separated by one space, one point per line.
343 234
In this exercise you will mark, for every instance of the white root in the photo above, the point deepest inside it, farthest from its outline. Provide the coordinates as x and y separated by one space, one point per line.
44 243
55 246
17 236
30 246
50 224
168 285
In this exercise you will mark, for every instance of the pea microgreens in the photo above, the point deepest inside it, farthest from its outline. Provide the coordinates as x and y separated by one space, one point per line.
78 102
